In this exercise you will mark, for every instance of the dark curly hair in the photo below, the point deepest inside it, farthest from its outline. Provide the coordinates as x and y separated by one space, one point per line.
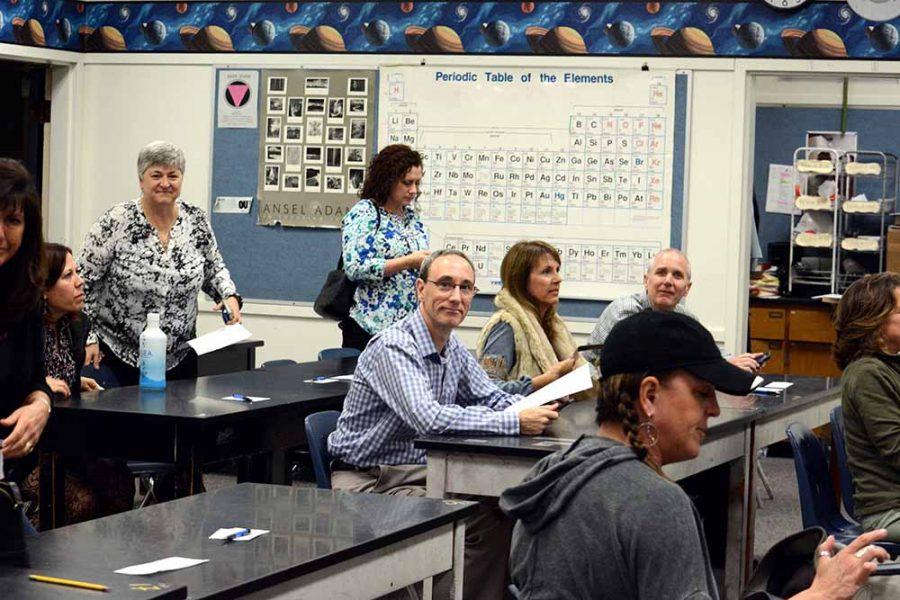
387 168
860 315
22 276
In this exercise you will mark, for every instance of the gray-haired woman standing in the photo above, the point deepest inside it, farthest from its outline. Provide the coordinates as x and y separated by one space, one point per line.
152 254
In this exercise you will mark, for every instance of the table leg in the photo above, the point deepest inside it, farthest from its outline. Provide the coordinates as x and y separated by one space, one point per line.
188 470
436 475
738 502
46 490
459 558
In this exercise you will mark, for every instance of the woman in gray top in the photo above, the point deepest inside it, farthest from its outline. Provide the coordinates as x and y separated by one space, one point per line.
602 521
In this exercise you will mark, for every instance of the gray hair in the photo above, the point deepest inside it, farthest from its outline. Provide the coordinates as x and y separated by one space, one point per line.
675 251
426 264
160 153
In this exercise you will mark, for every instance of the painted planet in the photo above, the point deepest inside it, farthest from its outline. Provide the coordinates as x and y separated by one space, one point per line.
818 43
181 7
231 13
496 33
154 32
291 7
28 33
124 12
528 7
439 39
377 32
212 38
687 41
750 35
653 7
883 36
263 32
406 7
559 40
63 28
620 34
105 39
321 38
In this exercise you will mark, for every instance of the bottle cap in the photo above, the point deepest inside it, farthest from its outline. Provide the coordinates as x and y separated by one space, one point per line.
153 319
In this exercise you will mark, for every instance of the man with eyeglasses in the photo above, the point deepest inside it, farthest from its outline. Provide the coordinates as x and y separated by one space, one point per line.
416 378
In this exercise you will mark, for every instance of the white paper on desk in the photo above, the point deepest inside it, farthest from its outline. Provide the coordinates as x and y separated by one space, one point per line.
757 381
250 398
220 338
224 532
571 383
774 387
172 563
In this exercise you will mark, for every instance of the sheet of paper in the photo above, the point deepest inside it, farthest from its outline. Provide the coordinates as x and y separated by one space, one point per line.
774 387
335 379
757 381
780 189
172 563
224 532
250 398
220 338
571 383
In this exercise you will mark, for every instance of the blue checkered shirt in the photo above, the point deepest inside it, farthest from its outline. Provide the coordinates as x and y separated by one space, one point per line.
403 388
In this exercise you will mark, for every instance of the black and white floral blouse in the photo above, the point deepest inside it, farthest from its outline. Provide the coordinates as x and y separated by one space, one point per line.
127 273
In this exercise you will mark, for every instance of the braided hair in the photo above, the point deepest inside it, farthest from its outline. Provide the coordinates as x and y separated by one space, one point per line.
618 402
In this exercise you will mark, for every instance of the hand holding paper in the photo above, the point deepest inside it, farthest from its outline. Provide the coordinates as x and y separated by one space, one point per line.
572 383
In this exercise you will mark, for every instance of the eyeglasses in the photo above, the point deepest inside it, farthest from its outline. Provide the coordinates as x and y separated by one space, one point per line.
466 290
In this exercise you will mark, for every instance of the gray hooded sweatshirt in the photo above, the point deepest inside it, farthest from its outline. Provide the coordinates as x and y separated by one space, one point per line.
593 522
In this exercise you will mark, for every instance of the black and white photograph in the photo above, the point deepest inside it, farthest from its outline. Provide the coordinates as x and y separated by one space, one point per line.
335 110
316 85
357 107
357 86
314 155
334 184
336 135
315 106
356 156
293 133
291 182
276 105
295 110
313 179
274 153
272 178
273 129
293 157
277 85
334 160
358 131
314 130
355 179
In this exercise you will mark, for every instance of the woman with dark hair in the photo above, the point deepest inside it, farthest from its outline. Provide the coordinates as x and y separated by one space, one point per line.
525 341
867 323
383 244
601 520
24 395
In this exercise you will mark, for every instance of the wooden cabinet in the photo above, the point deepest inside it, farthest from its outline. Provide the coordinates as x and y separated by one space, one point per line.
799 336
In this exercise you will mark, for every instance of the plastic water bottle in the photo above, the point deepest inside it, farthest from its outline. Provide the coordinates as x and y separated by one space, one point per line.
153 354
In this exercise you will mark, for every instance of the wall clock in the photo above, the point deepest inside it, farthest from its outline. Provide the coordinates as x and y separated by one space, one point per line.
785 4
876 10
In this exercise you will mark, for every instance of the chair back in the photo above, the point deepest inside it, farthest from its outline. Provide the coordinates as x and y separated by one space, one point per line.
318 426
281 362
104 375
837 436
331 353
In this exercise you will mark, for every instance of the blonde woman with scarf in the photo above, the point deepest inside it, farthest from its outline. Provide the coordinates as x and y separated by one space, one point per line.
525 340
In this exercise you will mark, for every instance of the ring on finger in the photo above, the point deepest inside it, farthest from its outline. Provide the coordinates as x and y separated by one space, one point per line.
825 553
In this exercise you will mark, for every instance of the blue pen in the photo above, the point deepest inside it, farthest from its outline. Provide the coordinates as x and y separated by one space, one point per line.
226 314
241 397
237 534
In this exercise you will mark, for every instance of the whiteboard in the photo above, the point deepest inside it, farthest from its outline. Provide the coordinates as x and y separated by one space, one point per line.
579 158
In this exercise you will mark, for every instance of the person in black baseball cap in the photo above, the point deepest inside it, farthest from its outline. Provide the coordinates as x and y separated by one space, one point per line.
601 520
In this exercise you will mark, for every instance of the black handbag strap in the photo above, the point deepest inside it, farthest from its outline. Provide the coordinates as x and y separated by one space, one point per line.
340 266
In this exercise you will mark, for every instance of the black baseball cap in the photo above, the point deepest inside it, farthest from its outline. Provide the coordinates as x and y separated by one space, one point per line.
658 341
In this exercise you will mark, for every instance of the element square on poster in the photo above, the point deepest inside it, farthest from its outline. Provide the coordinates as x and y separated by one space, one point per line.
273 129
358 131
334 160
293 157
314 129
316 85
336 135
291 182
277 85
357 86
271 178
334 184
314 154
313 179
274 153
355 179
335 110
295 110
357 107
293 133
356 156
315 106
276 105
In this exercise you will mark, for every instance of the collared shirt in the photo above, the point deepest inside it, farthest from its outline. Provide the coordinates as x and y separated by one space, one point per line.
127 273
370 237
403 388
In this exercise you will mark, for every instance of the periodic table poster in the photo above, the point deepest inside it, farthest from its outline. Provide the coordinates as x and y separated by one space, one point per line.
579 158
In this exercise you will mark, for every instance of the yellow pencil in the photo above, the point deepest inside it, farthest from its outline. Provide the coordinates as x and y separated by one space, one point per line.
70 582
